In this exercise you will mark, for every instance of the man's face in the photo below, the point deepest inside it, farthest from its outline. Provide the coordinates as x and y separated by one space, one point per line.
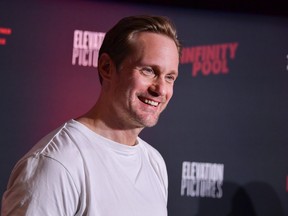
143 86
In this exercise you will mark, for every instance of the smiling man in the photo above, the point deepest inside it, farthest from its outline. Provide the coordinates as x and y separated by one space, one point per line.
96 164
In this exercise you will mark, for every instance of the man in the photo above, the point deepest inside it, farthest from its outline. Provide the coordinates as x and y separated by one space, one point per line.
96 164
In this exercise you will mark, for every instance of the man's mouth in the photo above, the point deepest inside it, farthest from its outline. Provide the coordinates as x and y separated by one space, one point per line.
153 103
149 102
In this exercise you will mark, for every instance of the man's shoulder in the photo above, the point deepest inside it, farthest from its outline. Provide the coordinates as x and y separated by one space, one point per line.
56 151
58 141
152 152
60 145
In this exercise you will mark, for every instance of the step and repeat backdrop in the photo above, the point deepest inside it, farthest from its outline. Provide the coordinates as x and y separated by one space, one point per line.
224 135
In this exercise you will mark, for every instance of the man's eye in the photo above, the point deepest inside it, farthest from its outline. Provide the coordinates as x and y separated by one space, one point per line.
147 71
170 78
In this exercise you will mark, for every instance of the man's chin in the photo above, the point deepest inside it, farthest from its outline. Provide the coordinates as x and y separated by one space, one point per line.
147 121
151 123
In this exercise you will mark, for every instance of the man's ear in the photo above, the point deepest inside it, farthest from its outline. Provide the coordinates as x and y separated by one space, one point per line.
105 66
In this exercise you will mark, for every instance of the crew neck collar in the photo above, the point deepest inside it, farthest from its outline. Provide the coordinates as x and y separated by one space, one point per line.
116 146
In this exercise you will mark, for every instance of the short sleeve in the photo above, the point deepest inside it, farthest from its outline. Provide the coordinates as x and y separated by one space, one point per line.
40 185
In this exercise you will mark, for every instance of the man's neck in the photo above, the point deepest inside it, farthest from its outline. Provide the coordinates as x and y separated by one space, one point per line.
117 134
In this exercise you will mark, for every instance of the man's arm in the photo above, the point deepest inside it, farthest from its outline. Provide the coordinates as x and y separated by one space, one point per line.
40 185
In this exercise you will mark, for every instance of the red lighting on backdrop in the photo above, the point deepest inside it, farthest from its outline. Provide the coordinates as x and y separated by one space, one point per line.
4 31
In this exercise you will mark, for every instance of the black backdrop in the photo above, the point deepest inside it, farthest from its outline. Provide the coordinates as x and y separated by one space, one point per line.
224 134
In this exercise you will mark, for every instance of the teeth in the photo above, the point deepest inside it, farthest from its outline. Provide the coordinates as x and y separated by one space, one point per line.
153 103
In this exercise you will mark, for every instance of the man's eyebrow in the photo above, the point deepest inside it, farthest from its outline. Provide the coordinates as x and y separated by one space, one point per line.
173 72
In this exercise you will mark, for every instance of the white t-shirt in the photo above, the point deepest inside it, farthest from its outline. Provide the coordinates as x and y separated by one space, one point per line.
74 171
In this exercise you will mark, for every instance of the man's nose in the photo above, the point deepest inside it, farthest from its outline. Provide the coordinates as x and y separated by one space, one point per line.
158 87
